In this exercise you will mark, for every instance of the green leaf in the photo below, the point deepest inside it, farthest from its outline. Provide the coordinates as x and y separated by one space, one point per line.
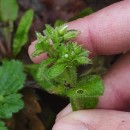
10 104
81 103
49 30
59 22
71 34
13 78
41 45
82 60
62 29
88 86
85 95
39 49
41 75
83 13
8 10
40 37
41 80
55 70
2 126
37 72
21 35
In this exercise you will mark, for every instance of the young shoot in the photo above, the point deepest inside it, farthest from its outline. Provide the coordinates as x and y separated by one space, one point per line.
58 73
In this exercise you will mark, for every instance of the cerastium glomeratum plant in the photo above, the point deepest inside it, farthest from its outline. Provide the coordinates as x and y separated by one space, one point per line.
58 73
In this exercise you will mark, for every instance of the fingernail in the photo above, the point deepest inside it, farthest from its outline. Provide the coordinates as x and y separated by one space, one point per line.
70 126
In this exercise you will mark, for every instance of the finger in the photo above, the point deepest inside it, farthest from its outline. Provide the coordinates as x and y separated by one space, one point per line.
37 59
106 31
94 120
117 84
67 110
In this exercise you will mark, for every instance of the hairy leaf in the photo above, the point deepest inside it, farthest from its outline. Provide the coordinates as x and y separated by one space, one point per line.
58 23
8 10
21 35
41 45
12 80
70 34
55 70
62 29
55 89
82 60
88 86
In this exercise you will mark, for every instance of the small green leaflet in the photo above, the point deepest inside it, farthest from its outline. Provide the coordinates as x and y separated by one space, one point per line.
2 126
12 80
41 45
85 95
39 73
59 22
55 70
70 34
21 35
43 82
8 10
83 13
87 86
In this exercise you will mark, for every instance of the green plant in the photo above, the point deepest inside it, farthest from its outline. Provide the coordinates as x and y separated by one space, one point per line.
12 77
8 15
58 73
12 80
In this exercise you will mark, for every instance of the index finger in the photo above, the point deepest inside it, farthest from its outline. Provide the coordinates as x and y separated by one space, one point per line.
105 32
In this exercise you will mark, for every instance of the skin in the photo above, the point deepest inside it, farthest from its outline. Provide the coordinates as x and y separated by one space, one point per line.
105 32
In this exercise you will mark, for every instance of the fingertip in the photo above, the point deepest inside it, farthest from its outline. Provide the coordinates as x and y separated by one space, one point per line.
36 59
70 122
94 119
67 110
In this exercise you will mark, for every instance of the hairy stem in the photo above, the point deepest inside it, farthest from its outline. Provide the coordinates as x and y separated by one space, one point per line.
81 103
71 76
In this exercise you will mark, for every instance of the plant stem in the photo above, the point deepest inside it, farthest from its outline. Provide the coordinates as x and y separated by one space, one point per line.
2 48
81 103
9 36
71 76
8 30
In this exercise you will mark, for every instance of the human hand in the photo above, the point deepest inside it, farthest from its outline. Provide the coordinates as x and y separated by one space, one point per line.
105 32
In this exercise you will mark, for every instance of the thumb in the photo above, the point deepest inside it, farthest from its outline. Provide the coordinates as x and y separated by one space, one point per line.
94 120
